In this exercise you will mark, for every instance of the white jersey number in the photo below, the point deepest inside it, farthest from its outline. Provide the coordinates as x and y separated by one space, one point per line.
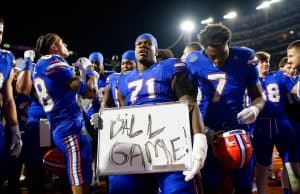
273 93
44 97
221 79
137 85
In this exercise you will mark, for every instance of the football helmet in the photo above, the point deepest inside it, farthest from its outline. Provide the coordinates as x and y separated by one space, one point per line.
55 162
233 149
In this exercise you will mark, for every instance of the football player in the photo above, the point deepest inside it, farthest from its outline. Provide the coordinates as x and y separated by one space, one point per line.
57 86
292 110
10 136
96 59
128 63
293 54
272 126
152 83
190 47
223 73
35 171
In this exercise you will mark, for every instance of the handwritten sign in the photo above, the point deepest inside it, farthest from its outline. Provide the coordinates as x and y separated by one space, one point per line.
145 139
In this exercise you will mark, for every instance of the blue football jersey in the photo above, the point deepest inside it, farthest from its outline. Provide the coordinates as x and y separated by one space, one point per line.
151 86
223 88
112 82
102 83
276 87
35 110
7 61
58 100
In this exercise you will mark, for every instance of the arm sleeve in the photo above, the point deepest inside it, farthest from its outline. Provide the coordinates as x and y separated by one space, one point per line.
183 86
289 83
252 70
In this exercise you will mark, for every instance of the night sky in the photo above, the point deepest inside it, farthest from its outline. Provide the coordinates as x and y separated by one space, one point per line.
111 26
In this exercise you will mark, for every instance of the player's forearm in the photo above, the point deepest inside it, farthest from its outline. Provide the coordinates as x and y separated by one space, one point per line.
121 99
92 88
24 82
107 100
92 84
10 113
86 89
196 122
259 103
9 106
256 96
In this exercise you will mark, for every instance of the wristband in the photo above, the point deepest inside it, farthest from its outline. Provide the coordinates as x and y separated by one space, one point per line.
27 64
82 88
91 72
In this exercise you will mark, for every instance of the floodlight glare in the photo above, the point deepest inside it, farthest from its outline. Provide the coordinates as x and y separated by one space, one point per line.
207 21
263 5
230 15
275 1
187 26
6 45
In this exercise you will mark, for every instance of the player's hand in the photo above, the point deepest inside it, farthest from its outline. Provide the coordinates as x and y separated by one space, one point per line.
199 156
92 73
83 65
29 54
16 142
96 120
248 115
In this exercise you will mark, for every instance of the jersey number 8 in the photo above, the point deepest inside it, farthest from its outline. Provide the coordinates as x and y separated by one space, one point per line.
44 97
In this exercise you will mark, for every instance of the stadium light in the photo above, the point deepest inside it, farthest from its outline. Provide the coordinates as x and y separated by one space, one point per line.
230 15
266 4
275 1
263 5
6 45
187 26
207 21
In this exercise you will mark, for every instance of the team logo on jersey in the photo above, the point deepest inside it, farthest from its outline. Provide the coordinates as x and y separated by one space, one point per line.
286 74
180 65
193 58
252 62
46 57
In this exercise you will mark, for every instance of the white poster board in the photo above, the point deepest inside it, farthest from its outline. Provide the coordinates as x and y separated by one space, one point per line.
145 139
